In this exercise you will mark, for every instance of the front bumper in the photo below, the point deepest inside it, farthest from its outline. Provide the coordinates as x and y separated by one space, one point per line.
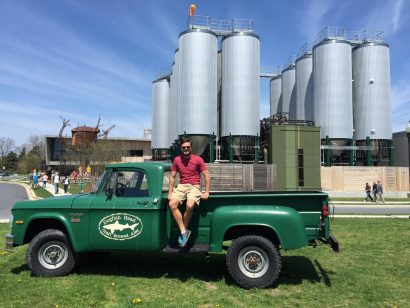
9 242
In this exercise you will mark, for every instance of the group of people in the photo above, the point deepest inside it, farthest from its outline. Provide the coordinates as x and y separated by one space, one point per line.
377 190
54 179
37 177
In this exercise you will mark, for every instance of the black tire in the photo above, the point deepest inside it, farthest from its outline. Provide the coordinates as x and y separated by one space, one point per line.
50 254
253 262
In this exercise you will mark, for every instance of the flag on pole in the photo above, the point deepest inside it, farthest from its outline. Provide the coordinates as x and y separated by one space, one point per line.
192 9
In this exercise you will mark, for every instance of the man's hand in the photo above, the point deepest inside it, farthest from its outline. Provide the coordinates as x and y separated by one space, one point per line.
205 195
169 196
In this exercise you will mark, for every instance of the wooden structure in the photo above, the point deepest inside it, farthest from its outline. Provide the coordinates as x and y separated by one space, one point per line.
347 178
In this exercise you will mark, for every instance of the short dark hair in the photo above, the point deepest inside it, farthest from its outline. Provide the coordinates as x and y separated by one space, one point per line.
182 140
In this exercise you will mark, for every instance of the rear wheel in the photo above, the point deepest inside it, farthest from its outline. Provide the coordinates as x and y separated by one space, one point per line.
253 262
50 254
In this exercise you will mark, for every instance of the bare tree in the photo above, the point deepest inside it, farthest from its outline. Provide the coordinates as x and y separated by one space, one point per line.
105 132
65 124
6 146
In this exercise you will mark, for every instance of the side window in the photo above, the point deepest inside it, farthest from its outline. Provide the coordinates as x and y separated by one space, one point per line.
129 184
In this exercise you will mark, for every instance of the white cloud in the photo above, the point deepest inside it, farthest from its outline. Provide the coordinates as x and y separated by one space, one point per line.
312 20
386 17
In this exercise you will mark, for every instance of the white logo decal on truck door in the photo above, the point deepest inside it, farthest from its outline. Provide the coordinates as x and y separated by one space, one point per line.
120 226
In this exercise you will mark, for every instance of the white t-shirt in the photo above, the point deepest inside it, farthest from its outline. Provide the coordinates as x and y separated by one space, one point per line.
56 179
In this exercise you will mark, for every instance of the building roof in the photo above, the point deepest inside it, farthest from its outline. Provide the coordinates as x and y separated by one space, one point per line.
85 129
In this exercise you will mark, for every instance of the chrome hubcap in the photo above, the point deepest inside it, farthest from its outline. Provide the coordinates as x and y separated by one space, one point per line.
253 262
53 255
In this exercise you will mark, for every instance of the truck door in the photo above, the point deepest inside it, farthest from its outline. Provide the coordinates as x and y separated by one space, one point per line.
120 215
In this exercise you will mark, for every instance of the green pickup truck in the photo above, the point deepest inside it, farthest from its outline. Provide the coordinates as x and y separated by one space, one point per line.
128 211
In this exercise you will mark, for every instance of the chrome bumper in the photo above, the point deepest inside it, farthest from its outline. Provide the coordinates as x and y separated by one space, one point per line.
9 242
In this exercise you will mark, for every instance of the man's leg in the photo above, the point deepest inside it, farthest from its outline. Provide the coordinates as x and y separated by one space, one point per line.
176 213
190 204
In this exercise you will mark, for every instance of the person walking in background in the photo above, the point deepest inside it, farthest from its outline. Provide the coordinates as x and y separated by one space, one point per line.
66 183
374 191
44 178
56 182
379 192
35 179
368 190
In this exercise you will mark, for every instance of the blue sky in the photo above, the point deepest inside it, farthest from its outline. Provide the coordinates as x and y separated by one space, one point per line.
79 59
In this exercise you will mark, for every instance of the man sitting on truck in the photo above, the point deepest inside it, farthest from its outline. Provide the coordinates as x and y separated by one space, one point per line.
189 166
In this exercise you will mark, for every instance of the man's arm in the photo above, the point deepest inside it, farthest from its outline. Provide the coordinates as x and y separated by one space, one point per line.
171 184
205 195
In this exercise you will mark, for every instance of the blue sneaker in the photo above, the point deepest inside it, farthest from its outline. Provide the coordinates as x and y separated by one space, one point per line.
183 238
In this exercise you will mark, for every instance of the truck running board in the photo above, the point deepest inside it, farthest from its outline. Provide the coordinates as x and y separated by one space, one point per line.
174 248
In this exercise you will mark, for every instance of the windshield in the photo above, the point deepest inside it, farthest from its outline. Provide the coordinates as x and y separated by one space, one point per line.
98 184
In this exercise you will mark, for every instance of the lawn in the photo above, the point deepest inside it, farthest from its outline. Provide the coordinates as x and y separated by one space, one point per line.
372 270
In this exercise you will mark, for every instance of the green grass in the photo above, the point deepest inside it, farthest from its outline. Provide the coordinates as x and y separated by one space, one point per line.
42 193
372 270
75 188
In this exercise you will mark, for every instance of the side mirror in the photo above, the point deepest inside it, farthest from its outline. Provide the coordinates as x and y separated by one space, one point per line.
109 192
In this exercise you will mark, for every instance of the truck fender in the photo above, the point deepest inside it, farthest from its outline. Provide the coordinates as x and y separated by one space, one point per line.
58 217
286 222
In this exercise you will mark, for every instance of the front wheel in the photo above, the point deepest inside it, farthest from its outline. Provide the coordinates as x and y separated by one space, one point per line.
50 254
253 262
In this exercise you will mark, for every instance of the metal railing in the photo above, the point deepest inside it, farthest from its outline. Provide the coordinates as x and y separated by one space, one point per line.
305 49
219 26
355 36
164 72
270 71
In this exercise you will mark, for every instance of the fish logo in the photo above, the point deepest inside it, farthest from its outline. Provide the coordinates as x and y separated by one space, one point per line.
117 226
120 226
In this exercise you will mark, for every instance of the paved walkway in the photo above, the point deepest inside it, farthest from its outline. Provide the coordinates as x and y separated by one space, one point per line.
50 188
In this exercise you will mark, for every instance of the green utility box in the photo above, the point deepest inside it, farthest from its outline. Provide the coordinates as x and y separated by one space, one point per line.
296 152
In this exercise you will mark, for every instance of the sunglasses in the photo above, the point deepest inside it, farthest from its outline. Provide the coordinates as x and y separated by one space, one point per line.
185 148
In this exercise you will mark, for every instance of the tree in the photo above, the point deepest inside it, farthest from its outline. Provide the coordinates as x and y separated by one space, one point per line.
37 145
6 146
11 161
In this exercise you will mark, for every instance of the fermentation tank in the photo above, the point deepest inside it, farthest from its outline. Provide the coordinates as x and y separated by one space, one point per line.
289 91
275 94
172 115
332 75
197 95
219 91
240 95
160 118
304 88
372 99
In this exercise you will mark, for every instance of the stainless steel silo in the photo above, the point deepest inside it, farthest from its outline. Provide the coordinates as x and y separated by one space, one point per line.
240 94
198 87
332 75
289 92
304 88
372 99
160 118
174 104
219 91
275 94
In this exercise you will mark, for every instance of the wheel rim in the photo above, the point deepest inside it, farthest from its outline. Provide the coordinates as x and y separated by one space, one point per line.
53 255
253 262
